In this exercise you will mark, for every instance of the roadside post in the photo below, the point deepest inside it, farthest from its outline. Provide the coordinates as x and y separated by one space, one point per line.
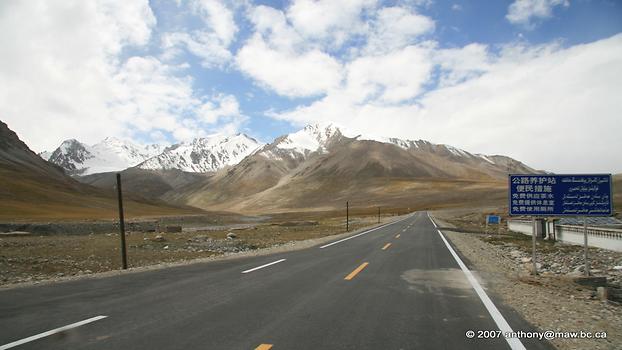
347 216
578 195
121 224
378 214
586 268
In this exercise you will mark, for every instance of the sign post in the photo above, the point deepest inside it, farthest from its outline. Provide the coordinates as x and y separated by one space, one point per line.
534 232
560 195
586 268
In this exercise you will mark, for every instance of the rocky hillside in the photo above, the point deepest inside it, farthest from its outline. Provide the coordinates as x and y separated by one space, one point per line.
319 167
34 189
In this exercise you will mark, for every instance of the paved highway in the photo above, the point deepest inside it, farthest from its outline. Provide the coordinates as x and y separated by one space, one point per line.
395 287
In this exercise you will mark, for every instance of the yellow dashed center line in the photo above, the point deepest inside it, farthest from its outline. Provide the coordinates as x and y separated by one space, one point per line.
356 271
397 236
264 347
386 246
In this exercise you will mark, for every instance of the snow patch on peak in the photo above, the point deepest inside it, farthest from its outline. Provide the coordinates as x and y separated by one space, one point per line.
484 157
68 145
457 152
312 138
204 154
110 154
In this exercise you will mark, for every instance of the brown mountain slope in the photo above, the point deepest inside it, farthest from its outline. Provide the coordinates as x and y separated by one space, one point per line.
362 172
150 184
33 189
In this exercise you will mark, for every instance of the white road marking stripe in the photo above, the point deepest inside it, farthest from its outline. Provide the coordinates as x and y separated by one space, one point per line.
362 233
50 332
433 223
515 343
262 266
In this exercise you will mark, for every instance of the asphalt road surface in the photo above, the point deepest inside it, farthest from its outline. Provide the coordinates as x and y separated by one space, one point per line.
396 287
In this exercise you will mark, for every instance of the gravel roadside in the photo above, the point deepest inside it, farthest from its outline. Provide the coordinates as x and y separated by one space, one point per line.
549 302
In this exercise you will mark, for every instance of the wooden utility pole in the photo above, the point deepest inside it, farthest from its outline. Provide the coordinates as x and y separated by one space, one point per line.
347 216
121 224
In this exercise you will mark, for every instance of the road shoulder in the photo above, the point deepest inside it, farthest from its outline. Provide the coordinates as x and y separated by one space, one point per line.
547 303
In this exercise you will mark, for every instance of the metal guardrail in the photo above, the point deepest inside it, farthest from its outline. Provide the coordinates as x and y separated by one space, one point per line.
604 232
595 231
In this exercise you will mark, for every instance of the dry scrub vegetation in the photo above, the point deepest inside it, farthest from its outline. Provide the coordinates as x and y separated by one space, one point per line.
35 258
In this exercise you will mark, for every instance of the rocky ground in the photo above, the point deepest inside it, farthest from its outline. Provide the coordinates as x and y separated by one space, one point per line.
552 300
31 259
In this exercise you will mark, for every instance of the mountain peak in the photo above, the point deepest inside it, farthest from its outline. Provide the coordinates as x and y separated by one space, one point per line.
204 154
110 154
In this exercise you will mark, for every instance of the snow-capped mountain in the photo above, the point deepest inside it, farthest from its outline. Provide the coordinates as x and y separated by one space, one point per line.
298 145
318 137
204 154
218 151
111 154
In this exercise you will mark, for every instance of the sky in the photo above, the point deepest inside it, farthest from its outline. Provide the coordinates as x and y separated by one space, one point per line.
536 80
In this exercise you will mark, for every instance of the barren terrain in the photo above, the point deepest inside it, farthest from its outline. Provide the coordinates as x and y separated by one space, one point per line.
550 301
31 258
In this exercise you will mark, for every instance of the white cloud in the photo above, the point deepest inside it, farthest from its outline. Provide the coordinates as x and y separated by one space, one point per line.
395 28
222 106
211 42
460 64
289 59
289 74
524 11
552 107
202 44
390 78
65 75
334 21
271 24
278 57
218 18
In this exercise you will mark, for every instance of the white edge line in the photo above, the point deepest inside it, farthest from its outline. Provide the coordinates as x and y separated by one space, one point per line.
50 332
433 223
362 233
515 343
259 267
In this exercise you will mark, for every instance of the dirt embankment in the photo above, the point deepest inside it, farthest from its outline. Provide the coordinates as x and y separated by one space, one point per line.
552 300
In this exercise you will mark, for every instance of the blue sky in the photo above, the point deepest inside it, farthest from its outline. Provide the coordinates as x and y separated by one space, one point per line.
469 74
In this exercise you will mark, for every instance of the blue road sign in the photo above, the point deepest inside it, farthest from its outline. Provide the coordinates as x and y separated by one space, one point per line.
561 195
493 219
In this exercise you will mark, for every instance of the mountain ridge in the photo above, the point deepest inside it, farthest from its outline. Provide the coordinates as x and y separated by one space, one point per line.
211 154
35 189
319 166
